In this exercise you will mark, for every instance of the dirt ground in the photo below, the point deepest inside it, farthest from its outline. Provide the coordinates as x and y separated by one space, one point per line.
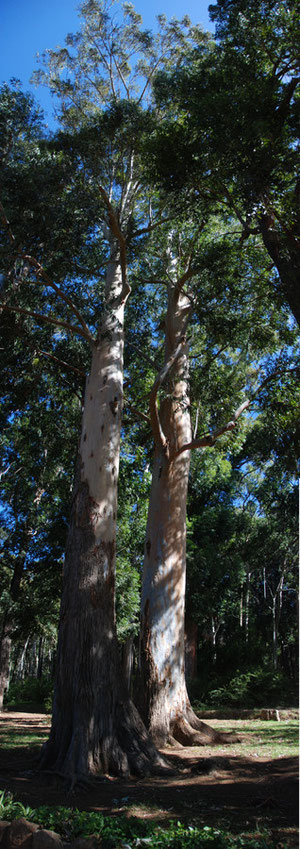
213 788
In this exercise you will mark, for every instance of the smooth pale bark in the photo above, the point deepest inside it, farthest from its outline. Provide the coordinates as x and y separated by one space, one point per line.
165 702
95 727
163 696
163 590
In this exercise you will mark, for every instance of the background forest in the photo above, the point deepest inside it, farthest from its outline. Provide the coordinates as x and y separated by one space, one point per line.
182 148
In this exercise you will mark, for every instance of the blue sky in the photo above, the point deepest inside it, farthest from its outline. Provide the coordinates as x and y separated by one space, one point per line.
30 26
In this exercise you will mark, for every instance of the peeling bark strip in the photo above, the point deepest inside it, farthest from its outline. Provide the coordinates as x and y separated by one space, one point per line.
94 725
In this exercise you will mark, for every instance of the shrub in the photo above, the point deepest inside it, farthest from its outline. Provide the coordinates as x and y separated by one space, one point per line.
253 688
33 691
256 687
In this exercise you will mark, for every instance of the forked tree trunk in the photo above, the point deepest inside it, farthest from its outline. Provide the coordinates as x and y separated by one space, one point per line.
95 727
165 706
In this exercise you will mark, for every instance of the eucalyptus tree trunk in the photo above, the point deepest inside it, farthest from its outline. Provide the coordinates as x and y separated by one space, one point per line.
95 727
165 704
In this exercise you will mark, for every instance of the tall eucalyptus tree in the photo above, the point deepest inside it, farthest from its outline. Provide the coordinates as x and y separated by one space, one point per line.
231 319
103 111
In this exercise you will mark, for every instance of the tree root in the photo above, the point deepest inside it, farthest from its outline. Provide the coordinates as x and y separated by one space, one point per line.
218 736
187 735
189 730
171 741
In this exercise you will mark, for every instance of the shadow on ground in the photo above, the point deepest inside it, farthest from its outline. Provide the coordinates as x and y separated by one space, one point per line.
219 789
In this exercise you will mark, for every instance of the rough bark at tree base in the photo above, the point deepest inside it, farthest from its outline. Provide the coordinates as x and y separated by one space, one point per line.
128 750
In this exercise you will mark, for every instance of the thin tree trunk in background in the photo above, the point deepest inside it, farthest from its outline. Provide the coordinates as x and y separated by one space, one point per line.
14 591
274 633
190 649
8 623
40 658
127 662
20 665
276 614
214 640
265 582
33 660
5 654
247 604
242 606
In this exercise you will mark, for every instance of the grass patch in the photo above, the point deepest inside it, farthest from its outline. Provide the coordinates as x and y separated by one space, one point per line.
264 739
12 737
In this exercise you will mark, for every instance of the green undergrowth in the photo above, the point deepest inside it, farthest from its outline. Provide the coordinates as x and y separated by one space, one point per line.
33 693
251 688
122 832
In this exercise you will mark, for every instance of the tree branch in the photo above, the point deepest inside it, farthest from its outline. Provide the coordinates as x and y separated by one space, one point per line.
189 272
122 78
150 227
47 280
60 362
137 412
159 436
49 319
208 440
6 223
282 109
147 83
247 230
